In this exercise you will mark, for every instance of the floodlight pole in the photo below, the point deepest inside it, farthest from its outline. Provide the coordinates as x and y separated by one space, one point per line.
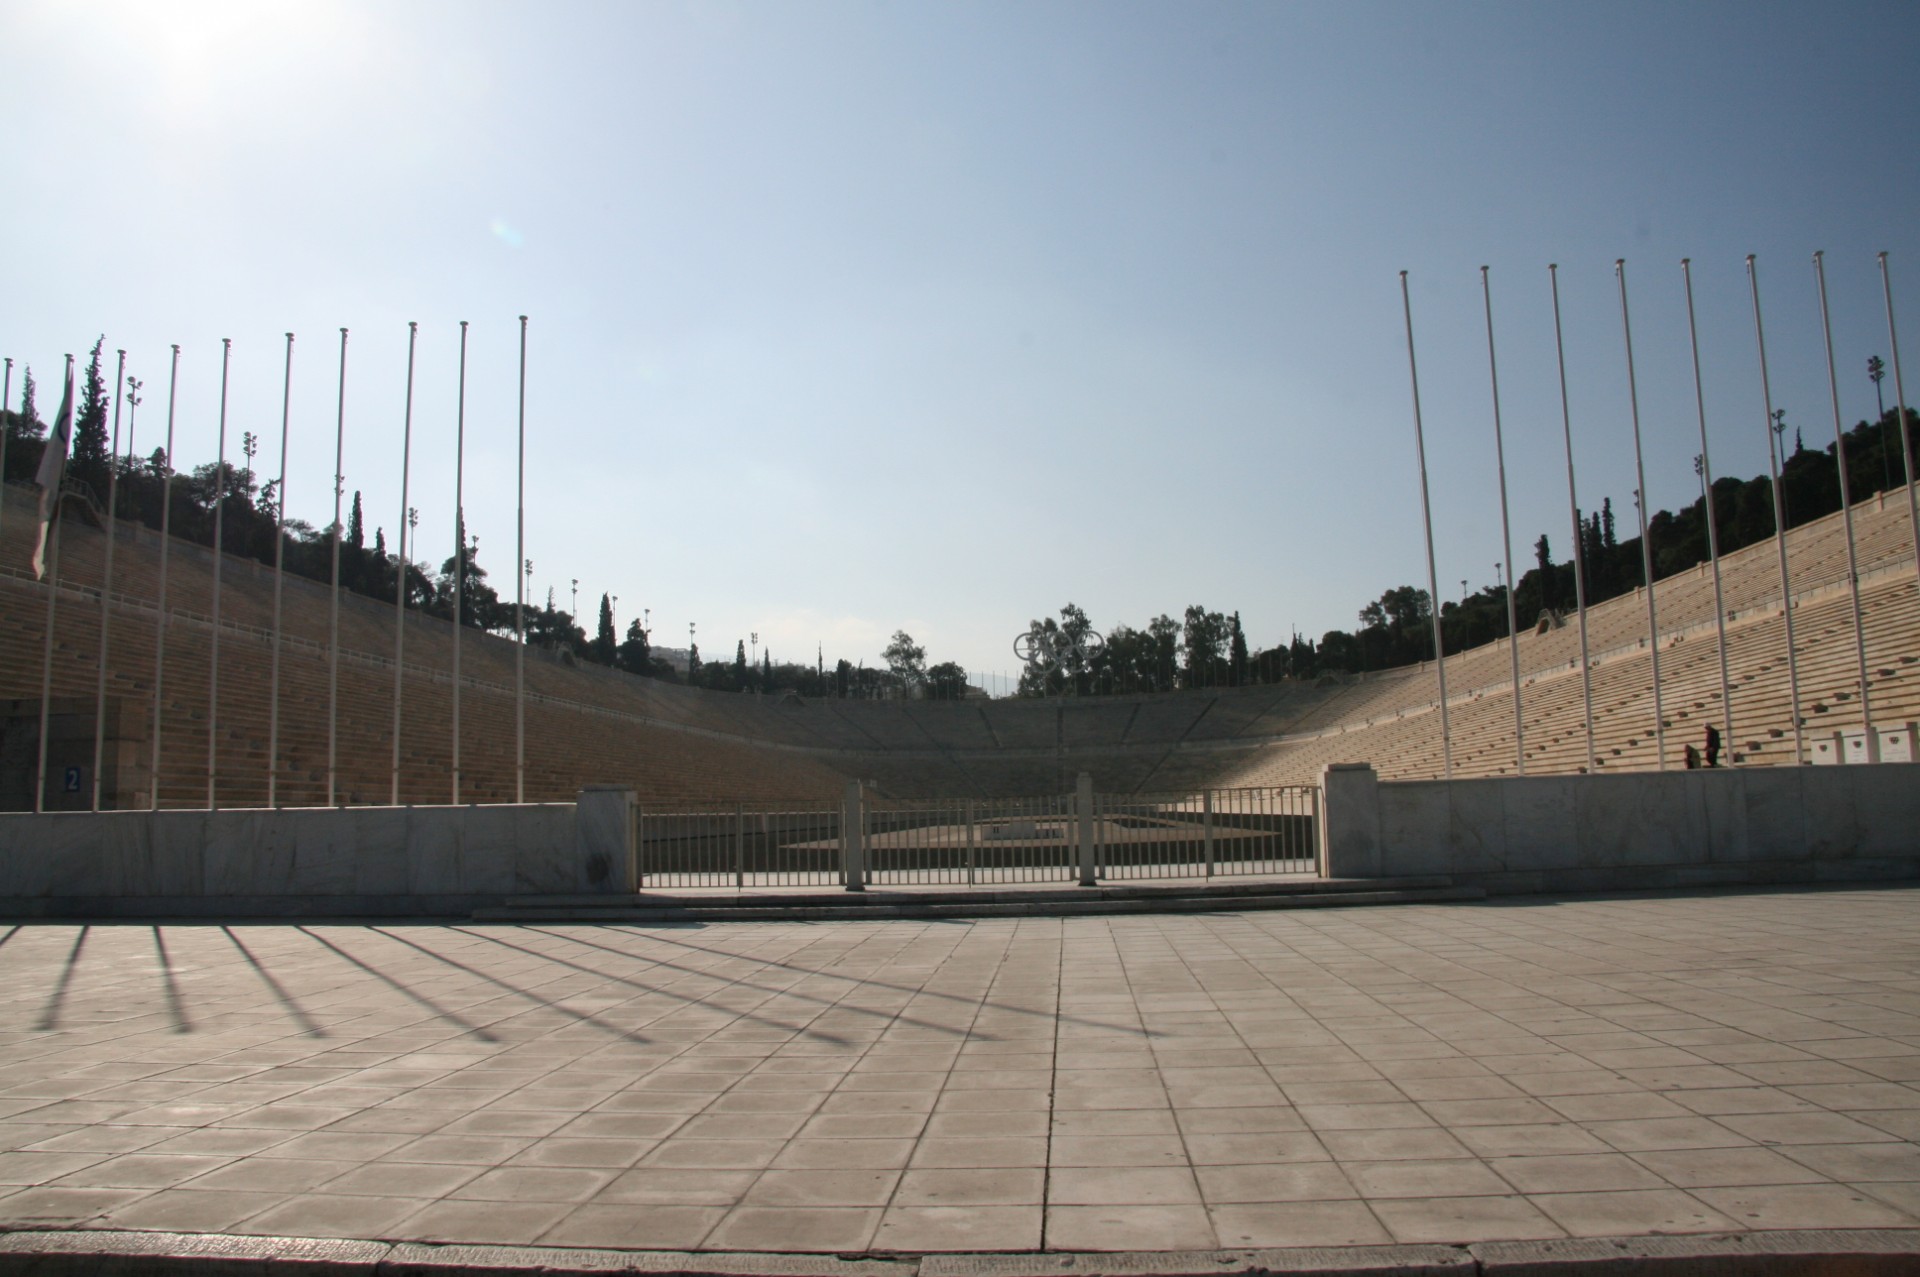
333 610
219 508
1573 511
1640 504
400 586
160 612
1779 516
1506 539
520 594
1900 415
1713 532
106 584
1426 516
279 572
459 548
1846 516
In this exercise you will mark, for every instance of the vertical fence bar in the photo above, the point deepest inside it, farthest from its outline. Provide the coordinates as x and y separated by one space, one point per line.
1206 827
739 845
1083 809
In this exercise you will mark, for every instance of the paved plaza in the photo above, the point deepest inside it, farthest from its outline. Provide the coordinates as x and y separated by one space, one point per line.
1524 1068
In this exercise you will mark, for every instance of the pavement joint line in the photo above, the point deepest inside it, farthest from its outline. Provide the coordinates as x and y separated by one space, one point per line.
1786 1253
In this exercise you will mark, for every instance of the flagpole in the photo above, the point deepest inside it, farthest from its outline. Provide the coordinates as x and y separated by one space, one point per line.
333 602
1506 537
279 571
1713 531
1779 516
400 589
1900 414
63 421
1573 512
1426 515
160 612
106 585
1846 515
1646 542
459 548
219 508
520 595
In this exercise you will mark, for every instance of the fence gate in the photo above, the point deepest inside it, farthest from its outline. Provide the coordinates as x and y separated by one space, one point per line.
978 841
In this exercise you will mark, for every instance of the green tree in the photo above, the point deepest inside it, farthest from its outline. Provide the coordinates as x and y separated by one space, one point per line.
947 681
635 655
89 463
1236 653
906 659
356 526
603 640
740 665
1204 637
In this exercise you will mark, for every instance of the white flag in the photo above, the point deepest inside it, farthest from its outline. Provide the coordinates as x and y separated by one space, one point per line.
53 470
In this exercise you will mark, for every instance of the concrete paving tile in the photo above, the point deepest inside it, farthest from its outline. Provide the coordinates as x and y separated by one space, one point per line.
1726 1167
1262 1147
920 1229
1105 1185
1462 1219
936 1152
1741 1099
795 1229
532 1124
999 1186
1291 1223
1367 1117
1803 1128
1856 1163
612 1154
656 1186
500 1223
1578 1172
1448 1177
1461 1113
535 1184
618 1126
274 1174
1394 1143
146 1170
327 1215
1528 1140
844 1154
342 1146
1266 1182
67 1207
1631 1212
625 1228
1613 1106
1203 1121
822 1188
1117 1150
104 1140
1642 1135
186 1210
1792 1206
1111 1227
426 1180
476 1150
41 1168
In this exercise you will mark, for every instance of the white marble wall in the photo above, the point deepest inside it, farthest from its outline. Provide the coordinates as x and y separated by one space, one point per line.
366 853
1647 828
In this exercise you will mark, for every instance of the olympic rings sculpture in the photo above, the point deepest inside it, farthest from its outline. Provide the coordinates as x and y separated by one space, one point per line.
1042 647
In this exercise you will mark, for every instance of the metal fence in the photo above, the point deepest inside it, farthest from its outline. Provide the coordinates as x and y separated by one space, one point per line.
1082 836
1264 830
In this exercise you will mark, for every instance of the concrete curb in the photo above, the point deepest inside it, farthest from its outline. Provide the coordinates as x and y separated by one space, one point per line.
1812 1253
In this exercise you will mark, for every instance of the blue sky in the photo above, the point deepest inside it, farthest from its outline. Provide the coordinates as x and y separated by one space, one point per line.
850 317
